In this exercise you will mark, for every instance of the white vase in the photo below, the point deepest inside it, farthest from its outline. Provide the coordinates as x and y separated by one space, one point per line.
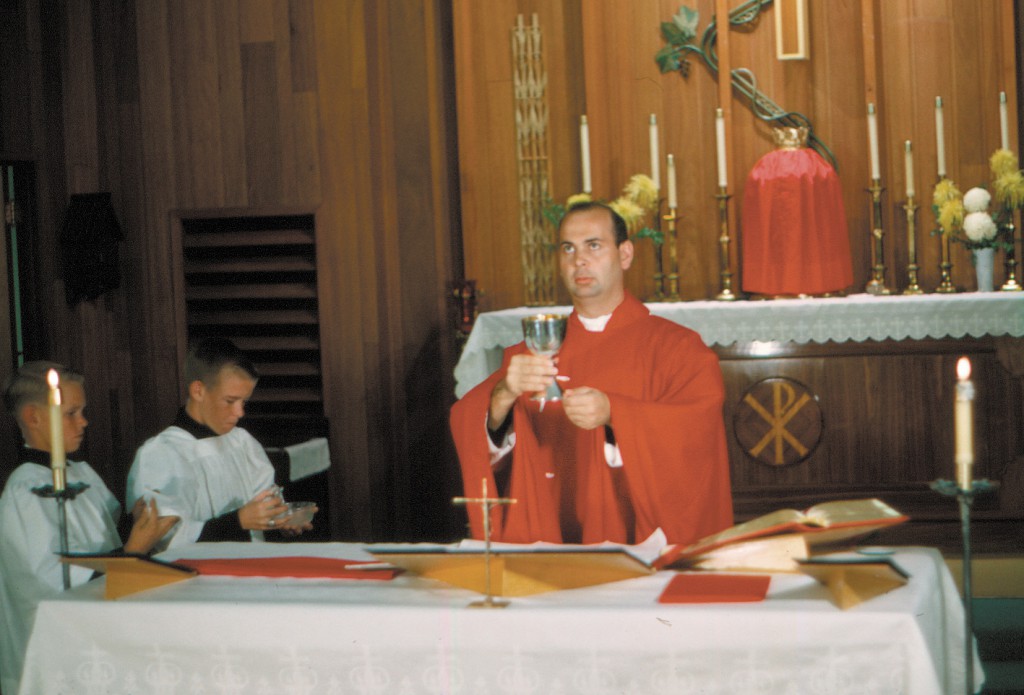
984 260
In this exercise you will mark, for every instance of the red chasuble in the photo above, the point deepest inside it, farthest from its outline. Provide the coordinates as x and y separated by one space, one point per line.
794 226
666 395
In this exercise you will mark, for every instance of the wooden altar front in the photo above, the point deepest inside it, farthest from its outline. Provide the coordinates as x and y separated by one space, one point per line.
853 397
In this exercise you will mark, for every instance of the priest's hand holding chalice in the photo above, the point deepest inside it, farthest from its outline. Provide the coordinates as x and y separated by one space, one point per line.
544 334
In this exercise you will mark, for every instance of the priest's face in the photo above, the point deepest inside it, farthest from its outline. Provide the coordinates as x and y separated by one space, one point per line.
221 404
591 264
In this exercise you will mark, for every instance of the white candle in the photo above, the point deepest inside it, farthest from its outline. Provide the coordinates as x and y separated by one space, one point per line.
672 200
585 153
1004 126
723 176
655 157
940 139
57 460
910 169
963 420
873 141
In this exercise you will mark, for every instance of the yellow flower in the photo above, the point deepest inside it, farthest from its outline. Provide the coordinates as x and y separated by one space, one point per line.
1009 189
1002 162
951 215
577 199
945 191
642 191
628 210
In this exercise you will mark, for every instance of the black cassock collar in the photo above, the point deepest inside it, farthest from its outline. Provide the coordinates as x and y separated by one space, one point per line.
197 430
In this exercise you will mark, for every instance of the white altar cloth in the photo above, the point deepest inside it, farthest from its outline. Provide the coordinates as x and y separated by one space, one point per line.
409 636
856 318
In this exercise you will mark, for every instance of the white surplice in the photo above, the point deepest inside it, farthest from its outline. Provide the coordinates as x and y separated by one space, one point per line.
199 479
30 569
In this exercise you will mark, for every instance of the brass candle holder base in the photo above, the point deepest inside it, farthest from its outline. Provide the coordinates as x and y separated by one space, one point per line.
876 285
725 273
912 286
1011 284
672 276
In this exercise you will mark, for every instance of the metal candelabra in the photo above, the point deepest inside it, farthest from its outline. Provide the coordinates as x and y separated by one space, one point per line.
726 295
876 285
673 259
62 493
911 210
1011 284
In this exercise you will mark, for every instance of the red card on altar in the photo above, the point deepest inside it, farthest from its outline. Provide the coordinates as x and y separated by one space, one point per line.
715 588
301 567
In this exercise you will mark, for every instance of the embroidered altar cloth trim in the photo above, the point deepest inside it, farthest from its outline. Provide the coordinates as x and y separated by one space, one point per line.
856 318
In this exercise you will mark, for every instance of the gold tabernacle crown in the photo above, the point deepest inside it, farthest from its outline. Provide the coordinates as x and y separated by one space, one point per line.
790 137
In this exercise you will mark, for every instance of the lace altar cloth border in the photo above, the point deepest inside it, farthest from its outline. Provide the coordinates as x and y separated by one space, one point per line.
415 636
856 318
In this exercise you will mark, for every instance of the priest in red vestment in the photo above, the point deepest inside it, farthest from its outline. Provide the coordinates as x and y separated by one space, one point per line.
637 441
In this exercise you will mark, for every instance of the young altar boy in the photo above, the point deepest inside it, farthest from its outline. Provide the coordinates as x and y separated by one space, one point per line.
30 569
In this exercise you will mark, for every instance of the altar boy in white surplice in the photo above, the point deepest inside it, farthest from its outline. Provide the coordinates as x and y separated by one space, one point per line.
204 468
30 569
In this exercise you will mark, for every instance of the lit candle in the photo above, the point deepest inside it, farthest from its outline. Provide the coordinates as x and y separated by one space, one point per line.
1004 128
655 160
672 201
910 169
963 421
57 461
723 177
873 141
585 152
940 138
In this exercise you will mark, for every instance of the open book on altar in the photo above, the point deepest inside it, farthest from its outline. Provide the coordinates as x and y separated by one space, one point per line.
822 524
523 569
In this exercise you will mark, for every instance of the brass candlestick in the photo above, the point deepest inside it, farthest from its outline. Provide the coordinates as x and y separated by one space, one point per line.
876 285
1011 284
673 260
911 210
726 295
659 262
946 285
945 268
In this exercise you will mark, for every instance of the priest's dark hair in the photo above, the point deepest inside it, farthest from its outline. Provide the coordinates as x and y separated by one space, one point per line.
618 223
207 357
28 385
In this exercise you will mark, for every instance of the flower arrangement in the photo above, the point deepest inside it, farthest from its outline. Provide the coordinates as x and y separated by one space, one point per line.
639 198
965 217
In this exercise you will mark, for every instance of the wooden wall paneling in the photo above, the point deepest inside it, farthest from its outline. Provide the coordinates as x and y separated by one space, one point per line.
158 391
288 155
487 150
347 312
231 111
263 146
839 98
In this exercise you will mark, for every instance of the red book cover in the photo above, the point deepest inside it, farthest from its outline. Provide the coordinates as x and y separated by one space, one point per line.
302 567
715 588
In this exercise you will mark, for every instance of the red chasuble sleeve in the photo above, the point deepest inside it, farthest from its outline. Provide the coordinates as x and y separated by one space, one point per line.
666 393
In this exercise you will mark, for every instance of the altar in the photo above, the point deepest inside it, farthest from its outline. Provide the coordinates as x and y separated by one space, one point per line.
410 635
879 373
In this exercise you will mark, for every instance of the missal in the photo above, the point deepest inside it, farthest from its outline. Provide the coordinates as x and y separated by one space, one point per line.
821 524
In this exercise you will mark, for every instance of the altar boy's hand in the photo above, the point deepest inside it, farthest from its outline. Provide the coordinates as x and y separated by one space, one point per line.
258 513
149 527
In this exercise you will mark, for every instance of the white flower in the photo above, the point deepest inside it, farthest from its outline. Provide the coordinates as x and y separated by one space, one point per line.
976 200
978 226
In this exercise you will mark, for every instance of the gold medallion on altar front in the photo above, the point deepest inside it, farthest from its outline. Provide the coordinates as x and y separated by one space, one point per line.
778 421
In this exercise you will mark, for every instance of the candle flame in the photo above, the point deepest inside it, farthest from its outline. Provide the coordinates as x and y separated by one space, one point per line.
963 369
52 379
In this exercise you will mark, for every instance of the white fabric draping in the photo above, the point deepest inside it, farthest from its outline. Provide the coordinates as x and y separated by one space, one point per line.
856 318
412 636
